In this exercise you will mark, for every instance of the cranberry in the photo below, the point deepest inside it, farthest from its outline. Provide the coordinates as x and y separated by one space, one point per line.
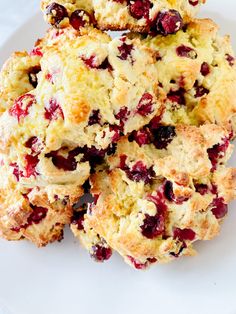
193 2
101 253
78 219
67 164
145 105
217 152
31 164
139 9
139 171
34 144
184 234
163 136
122 165
205 69
230 59
219 208
95 117
153 226
16 171
186 52
177 96
137 264
169 22
170 196
33 76
37 51
57 13
117 132
80 18
123 115
155 123
200 90
53 111
141 137
159 202
125 51
38 214
201 188
21 107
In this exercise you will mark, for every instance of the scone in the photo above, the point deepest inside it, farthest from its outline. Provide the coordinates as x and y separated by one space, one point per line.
90 90
165 188
158 16
198 73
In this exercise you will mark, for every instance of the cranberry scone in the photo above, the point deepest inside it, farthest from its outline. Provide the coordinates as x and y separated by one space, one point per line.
90 90
198 73
165 188
158 16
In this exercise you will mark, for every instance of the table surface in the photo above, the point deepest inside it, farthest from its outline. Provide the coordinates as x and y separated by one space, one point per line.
14 14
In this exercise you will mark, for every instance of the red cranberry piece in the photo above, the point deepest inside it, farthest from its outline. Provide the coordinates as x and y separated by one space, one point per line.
137 264
217 152
57 13
170 196
95 117
123 115
219 208
200 90
38 214
193 2
90 62
169 22
60 162
153 226
154 123
139 9
53 111
141 137
122 165
21 107
34 144
159 202
31 164
201 188
186 52
33 76
230 59
205 69
177 96
145 106
80 18
125 51
37 51
117 132
78 219
16 171
163 136
184 234
140 172
101 253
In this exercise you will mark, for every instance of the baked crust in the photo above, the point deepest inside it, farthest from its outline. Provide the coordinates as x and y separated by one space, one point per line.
188 188
116 15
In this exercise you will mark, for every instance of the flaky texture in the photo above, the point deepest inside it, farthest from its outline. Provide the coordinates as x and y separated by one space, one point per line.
139 15
198 73
155 198
89 91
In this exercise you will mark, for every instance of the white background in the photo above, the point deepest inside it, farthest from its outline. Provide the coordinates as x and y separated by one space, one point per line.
61 279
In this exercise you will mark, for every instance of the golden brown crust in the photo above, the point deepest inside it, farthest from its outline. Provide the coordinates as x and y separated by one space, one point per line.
185 189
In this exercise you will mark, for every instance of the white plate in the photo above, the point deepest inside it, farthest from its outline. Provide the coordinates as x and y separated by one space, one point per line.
62 279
